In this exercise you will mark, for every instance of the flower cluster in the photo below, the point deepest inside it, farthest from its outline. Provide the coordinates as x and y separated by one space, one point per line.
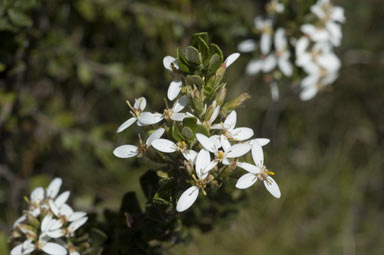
307 48
197 137
49 224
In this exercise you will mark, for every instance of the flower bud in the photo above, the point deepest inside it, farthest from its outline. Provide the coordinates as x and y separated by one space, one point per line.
220 95
234 103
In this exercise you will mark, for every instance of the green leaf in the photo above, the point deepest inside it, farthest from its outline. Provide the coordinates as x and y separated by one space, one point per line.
192 55
203 47
187 133
202 35
215 62
190 122
176 134
200 129
19 18
182 62
216 49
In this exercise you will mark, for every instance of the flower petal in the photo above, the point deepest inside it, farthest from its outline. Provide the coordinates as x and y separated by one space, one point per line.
206 143
126 124
247 46
180 103
55 233
140 103
60 200
178 116
148 118
249 167
76 216
187 199
257 154
66 210
272 187
239 150
167 61
246 181
262 141
308 93
54 187
164 145
154 136
225 143
54 249
19 220
242 133
269 63
126 151
280 39
202 160
190 155
254 66
214 114
230 121
37 195
265 43
77 224
174 89
231 58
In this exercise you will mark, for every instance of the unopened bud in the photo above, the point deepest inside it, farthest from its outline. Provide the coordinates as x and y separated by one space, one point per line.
221 94
234 103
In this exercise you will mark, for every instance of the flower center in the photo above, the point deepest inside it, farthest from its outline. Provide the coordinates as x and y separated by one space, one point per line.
263 175
168 113
181 145
220 155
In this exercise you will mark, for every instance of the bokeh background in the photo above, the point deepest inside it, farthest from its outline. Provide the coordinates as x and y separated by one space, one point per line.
67 67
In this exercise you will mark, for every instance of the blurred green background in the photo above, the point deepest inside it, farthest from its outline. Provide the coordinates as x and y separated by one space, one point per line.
67 67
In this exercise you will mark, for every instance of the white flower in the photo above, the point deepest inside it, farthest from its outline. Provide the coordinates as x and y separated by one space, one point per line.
314 82
148 118
65 213
228 153
174 89
275 7
75 225
189 196
51 227
136 110
265 26
257 172
128 150
229 130
27 247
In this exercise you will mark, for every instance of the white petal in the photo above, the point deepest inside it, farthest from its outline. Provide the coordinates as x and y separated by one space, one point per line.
167 62
180 103
254 66
337 14
37 195
247 46
17 250
126 151
54 208
242 133
274 91
216 141
66 210
239 150
54 187
190 155
272 187
301 46
330 62
46 223
214 114
262 141
231 58
54 249
148 118
206 143
310 81
60 200
164 145
269 63
178 116
230 121
77 224
225 143
126 124
246 181
55 233
208 168
154 136
202 160
187 199
280 40
249 167
140 103
19 220
265 43
318 11
285 66
257 154
174 89
76 216
308 93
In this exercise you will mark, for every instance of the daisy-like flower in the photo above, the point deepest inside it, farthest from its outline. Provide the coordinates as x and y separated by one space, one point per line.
228 151
128 150
275 7
65 212
316 81
136 110
229 130
175 86
203 166
148 118
258 172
